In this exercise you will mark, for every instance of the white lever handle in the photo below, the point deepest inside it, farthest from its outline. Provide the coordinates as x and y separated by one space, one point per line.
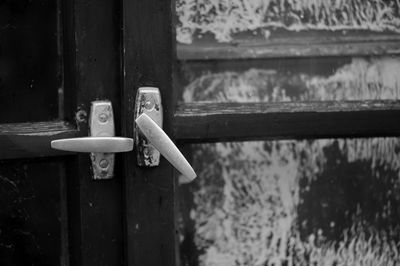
102 144
164 145
94 144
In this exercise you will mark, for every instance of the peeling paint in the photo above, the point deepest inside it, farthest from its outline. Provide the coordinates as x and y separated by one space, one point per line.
38 134
81 116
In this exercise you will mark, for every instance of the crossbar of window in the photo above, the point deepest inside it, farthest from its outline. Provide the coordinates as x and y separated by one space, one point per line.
29 140
210 122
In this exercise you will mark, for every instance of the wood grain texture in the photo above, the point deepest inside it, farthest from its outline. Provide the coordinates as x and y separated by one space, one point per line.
210 122
149 192
294 45
92 65
28 140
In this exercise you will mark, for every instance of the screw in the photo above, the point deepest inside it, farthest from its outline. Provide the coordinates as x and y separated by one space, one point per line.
103 163
147 151
103 117
149 104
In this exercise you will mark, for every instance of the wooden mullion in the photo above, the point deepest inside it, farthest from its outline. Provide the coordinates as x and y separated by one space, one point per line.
149 192
91 56
28 140
36 128
251 47
210 122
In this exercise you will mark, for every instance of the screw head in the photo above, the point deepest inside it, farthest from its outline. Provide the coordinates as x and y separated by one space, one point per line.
147 151
103 117
149 103
103 163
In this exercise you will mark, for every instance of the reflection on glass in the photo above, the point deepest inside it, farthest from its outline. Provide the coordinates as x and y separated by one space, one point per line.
315 202
30 73
356 79
223 19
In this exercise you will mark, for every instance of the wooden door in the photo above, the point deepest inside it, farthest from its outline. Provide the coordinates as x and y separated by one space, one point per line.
108 49
57 57
128 220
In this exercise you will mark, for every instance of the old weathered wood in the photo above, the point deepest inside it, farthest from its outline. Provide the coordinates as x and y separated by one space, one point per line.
294 45
149 192
209 122
28 140
91 56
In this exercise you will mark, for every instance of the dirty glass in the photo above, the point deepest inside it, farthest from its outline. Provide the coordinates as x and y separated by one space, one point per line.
33 225
254 23
311 202
289 202
226 21
30 79
280 80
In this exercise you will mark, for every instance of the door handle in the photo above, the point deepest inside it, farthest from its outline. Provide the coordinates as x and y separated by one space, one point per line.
164 145
94 144
102 144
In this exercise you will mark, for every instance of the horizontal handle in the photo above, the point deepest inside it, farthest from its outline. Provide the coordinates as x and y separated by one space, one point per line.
164 145
94 144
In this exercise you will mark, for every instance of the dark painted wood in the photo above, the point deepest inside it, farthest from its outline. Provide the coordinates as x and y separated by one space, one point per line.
149 192
91 56
31 207
28 140
33 215
209 122
292 45
90 50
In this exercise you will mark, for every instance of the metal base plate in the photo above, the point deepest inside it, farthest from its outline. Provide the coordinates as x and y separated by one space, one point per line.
148 101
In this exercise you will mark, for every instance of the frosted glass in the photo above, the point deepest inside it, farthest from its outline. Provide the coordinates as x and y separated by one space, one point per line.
305 80
223 19
314 202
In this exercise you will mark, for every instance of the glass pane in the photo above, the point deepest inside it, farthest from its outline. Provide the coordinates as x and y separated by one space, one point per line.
256 35
280 80
33 226
29 66
311 202
227 21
